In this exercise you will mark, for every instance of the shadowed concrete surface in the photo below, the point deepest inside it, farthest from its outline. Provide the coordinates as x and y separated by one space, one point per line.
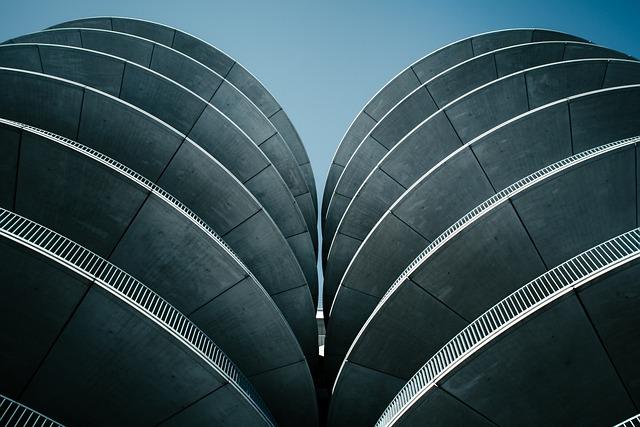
455 281
14 412
173 163
203 123
221 63
418 73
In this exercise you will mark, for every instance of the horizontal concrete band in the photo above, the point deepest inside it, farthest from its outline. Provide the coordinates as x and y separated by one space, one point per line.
181 257
191 115
112 292
218 61
419 72
409 322
15 413
595 267
475 171
455 125
449 93
179 166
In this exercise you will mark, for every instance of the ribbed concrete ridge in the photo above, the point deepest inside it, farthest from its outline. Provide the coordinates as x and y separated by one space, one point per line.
13 413
464 216
132 149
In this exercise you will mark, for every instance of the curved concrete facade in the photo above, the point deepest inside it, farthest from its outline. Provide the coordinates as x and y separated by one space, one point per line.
115 165
456 189
224 65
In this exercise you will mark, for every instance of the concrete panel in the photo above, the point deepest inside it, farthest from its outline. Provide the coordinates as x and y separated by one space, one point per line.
23 95
262 247
9 152
460 80
353 408
243 112
192 174
356 133
391 94
202 52
497 39
577 210
410 327
443 59
479 112
108 354
525 145
444 196
362 162
404 117
96 22
621 73
77 197
443 410
519 58
161 98
285 410
98 71
126 135
23 57
606 116
331 222
308 210
549 371
298 308
612 305
383 256
136 50
243 80
289 134
37 299
242 336
167 252
307 174
191 74
277 151
544 35
303 250
563 80
277 201
224 142
370 204
342 251
222 406
482 265
332 179
421 150
148 30
579 51
63 37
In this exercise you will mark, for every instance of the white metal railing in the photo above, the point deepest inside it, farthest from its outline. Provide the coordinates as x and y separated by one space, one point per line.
16 414
631 422
116 281
534 295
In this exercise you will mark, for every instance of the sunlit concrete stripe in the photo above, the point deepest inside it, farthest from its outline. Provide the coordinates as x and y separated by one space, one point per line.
631 422
410 195
96 70
210 190
395 315
122 286
13 413
227 102
511 311
421 71
219 61
451 85
419 148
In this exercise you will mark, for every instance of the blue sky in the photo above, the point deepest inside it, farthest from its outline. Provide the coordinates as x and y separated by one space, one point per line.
323 60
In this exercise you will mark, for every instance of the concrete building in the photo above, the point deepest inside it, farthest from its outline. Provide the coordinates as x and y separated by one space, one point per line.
158 233
480 243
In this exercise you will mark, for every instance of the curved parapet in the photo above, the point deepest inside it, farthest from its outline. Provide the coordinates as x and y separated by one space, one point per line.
450 91
556 351
455 125
187 113
220 62
13 413
418 73
199 79
154 230
174 162
517 148
102 326
413 319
